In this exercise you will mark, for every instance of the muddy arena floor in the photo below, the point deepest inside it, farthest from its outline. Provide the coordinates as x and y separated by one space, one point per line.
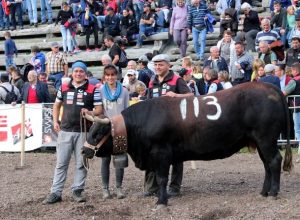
220 189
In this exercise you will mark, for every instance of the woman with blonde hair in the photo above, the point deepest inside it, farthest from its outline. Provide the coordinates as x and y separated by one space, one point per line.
257 63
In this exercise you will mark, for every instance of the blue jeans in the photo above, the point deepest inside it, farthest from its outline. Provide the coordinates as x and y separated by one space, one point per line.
160 21
144 30
67 38
9 60
199 47
138 9
2 17
296 118
75 8
282 37
68 142
57 79
45 4
32 10
100 20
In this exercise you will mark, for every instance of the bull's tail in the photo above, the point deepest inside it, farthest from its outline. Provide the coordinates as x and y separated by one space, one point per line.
288 157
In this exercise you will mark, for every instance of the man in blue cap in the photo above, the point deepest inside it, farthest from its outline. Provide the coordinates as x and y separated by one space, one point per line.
77 96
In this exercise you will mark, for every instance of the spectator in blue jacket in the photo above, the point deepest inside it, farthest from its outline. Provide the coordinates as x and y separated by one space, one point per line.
268 76
10 49
215 61
38 60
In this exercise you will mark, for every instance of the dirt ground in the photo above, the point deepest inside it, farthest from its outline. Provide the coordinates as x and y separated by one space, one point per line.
220 189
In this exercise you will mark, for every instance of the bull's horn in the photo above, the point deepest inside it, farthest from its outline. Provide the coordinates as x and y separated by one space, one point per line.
89 117
102 120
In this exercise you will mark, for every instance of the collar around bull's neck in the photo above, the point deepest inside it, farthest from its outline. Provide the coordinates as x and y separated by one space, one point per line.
119 134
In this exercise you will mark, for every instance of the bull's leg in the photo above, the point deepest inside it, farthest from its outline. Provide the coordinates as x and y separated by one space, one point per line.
271 158
162 180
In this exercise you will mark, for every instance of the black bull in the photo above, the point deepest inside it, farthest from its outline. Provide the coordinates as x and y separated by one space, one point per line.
165 130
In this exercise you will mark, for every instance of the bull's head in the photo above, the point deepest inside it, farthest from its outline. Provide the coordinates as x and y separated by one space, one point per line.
100 132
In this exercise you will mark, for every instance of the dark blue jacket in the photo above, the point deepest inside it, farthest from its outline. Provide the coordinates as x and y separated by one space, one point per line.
41 91
221 63
270 79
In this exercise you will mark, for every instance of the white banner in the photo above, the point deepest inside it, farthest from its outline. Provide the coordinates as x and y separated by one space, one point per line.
10 127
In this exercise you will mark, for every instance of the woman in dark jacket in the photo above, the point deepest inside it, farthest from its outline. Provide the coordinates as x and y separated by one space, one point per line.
34 91
128 25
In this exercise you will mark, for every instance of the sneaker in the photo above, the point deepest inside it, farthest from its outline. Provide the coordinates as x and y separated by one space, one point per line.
88 50
77 196
43 22
137 46
120 193
21 27
70 53
36 25
173 192
97 49
105 194
31 24
77 50
51 199
13 28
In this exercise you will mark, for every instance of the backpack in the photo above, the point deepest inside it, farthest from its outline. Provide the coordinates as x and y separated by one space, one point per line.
10 95
123 61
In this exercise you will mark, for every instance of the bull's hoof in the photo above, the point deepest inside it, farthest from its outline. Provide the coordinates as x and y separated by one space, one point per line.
159 207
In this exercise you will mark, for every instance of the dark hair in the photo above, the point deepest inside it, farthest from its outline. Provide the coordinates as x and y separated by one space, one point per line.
110 67
35 49
281 66
89 74
4 77
42 74
149 56
228 32
109 38
277 2
16 70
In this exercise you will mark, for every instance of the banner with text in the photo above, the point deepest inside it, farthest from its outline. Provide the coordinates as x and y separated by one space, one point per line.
49 135
10 127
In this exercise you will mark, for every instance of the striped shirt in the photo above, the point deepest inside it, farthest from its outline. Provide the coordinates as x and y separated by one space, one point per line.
269 37
56 62
196 15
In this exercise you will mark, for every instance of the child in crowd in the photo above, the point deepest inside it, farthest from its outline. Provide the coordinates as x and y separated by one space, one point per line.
223 77
10 49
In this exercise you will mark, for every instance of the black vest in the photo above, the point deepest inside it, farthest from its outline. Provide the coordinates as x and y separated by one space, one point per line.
297 100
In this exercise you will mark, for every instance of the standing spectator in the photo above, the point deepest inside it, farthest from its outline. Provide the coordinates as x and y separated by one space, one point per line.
4 19
146 25
128 26
293 53
10 49
138 6
6 87
215 61
269 77
115 99
266 34
16 79
70 138
145 74
165 83
278 20
32 12
178 26
293 88
65 14
56 65
114 52
266 54
38 60
226 47
46 4
241 69
34 91
250 27
197 25
111 26
284 79
15 6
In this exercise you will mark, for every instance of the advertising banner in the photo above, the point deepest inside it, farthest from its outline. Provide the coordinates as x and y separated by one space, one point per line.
10 127
49 135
